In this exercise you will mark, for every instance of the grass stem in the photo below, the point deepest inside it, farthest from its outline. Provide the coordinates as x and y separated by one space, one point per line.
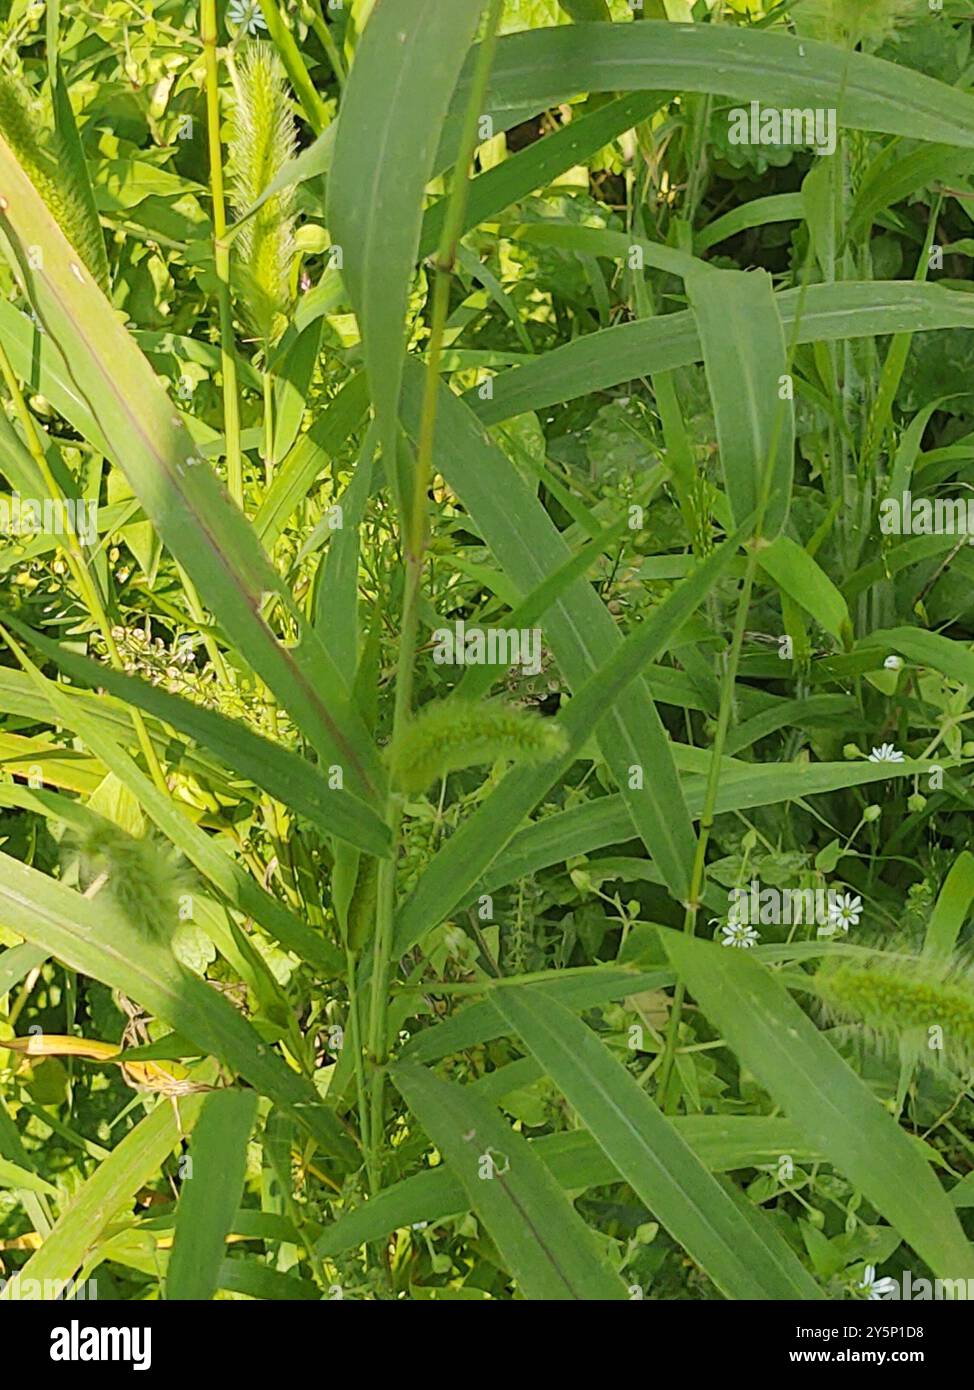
221 255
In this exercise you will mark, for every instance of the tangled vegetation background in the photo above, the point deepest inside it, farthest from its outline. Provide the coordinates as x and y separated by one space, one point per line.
449 619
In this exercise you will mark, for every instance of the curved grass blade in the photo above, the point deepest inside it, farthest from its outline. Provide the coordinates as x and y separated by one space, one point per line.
649 1152
575 989
952 908
545 1244
824 1097
759 212
412 51
285 775
804 581
13 1176
16 962
617 246
93 937
893 176
950 658
114 1183
210 1193
755 415
540 164
606 821
543 67
179 492
604 359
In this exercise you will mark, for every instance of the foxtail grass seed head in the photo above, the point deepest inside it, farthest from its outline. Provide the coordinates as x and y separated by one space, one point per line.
144 875
456 734
924 1004
857 21
263 137
46 162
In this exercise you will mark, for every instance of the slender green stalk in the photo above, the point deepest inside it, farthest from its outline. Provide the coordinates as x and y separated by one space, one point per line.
311 103
355 1040
892 372
221 255
198 615
699 873
327 38
268 384
415 540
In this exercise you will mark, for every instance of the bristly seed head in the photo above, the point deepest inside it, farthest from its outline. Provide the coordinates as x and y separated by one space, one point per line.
263 138
923 1003
453 734
145 874
41 153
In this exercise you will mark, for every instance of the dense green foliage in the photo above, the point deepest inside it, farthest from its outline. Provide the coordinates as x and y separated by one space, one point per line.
487 648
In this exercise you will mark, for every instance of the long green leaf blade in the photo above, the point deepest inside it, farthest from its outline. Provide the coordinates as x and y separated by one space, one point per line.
210 1193
547 66
94 938
651 1155
547 1247
114 1182
412 51
179 492
834 1109
824 313
748 387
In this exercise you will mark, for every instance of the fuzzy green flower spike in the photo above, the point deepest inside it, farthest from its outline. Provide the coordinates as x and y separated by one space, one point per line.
47 163
925 1004
144 875
263 138
455 734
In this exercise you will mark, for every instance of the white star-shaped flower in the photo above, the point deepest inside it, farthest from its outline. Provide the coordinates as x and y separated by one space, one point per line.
739 934
845 911
875 1288
893 663
886 753
246 15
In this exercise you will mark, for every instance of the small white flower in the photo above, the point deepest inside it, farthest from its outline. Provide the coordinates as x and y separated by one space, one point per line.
845 911
875 1288
886 753
893 663
739 934
246 15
